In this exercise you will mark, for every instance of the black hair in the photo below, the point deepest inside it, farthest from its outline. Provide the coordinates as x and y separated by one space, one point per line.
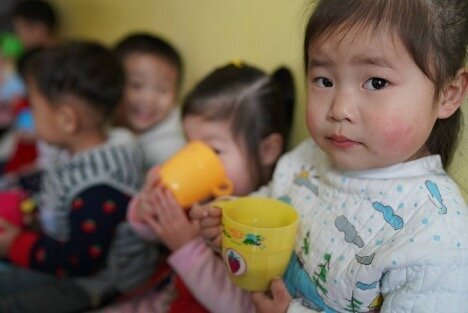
255 103
24 59
82 69
435 34
36 11
150 44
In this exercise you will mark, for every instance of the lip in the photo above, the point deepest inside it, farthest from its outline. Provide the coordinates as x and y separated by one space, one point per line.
342 142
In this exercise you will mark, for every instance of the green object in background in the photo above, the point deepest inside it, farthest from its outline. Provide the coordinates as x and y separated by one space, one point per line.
10 46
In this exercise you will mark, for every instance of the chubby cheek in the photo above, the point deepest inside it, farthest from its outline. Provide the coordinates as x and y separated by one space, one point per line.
311 120
242 182
394 137
314 122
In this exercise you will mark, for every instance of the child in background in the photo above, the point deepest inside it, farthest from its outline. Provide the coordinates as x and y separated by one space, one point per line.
149 108
383 226
11 90
65 267
245 116
35 22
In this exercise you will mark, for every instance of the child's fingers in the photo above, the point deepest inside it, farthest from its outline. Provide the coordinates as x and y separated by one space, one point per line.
196 225
211 233
216 243
203 211
153 223
171 203
209 222
214 212
279 292
154 175
262 302
277 302
197 211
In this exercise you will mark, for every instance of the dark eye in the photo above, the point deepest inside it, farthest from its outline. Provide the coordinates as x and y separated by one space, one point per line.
375 83
323 82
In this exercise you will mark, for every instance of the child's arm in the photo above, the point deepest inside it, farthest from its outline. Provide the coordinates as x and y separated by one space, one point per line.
202 270
205 275
94 215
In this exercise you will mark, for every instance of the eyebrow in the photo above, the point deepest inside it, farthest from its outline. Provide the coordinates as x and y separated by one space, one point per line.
371 60
319 62
359 60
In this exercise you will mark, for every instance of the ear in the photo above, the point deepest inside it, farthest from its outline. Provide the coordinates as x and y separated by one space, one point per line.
68 119
270 149
453 95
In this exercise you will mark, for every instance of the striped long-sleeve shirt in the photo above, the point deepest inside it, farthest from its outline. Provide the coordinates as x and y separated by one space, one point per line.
82 202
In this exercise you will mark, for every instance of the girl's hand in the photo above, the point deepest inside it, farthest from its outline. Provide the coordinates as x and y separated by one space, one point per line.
278 302
210 223
8 233
169 221
145 203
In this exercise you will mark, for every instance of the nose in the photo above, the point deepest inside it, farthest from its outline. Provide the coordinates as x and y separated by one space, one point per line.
342 107
149 96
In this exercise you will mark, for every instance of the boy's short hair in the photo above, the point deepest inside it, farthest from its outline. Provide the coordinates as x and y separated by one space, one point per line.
36 11
83 69
151 44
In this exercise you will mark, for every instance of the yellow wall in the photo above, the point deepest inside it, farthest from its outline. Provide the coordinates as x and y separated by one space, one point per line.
208 33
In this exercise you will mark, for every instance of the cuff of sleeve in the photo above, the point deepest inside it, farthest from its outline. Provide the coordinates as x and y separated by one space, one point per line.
20 248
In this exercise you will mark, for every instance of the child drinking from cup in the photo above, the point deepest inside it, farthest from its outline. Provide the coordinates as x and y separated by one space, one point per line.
153 69
64 266
245 116
383 226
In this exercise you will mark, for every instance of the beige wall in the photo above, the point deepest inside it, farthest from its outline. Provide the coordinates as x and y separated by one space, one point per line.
208 33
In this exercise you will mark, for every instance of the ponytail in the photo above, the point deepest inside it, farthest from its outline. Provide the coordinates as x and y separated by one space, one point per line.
283 80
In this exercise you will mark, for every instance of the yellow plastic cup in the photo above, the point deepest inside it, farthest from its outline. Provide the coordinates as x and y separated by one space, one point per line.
195 173
258 239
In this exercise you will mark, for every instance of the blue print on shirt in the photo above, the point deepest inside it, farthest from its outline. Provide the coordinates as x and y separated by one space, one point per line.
388 214
300 285
364 286
435 195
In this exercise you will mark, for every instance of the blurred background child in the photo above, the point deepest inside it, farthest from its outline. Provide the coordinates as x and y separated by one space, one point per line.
35 23
11 90
153 69
245 116
82 203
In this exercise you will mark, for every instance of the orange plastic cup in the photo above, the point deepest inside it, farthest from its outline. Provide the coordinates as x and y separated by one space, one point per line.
195 173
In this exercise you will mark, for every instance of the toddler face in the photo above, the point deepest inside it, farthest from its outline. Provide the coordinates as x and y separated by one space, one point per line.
150 91
217 134
369 105
27 32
